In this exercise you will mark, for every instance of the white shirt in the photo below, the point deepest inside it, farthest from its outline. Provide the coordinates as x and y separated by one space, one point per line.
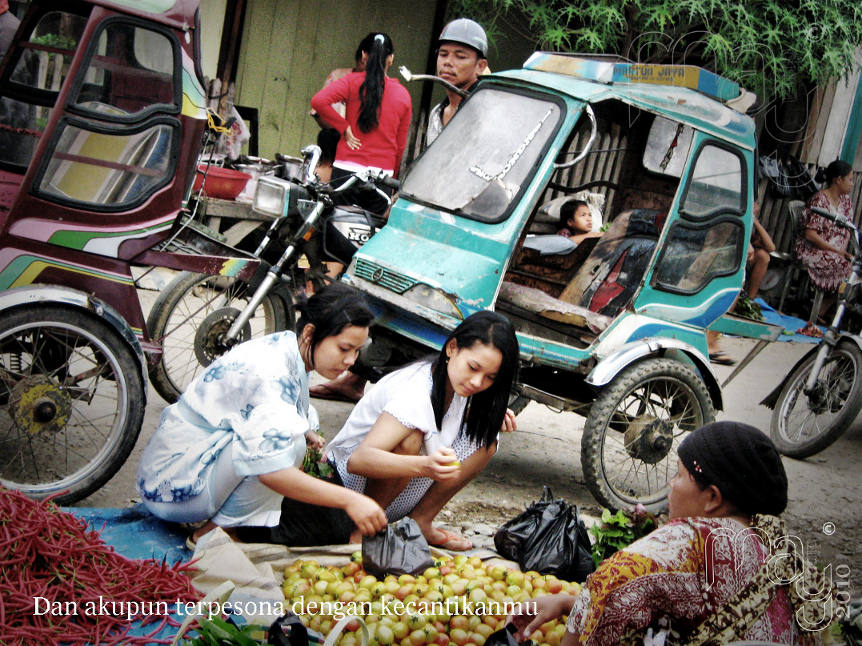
406 395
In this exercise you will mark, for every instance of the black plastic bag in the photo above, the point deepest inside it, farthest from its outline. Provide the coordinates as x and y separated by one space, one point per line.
287 630
399 549
549 538
505 637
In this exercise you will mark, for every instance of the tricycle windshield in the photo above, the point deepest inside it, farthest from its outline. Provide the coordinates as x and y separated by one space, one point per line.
485 155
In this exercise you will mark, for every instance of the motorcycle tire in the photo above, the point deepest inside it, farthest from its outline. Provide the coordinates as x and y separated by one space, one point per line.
188 317
72 402
828 412
628 447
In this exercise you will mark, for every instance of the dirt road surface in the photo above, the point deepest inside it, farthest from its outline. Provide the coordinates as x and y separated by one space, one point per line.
825 509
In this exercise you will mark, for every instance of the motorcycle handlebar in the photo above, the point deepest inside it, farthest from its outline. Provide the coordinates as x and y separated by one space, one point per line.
841 221
390 182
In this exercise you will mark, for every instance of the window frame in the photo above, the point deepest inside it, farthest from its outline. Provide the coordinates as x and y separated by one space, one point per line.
743 189
531 171
726 214
160 108
90 126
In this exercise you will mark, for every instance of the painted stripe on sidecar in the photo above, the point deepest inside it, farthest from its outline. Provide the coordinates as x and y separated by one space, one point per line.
705 313
103 243
24 268
49 230
232 266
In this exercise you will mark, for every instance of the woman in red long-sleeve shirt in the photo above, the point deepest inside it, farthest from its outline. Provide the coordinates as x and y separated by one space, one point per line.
374 130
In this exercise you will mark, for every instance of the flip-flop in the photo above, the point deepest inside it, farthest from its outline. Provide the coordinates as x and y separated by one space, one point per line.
322 391
721 358
452 541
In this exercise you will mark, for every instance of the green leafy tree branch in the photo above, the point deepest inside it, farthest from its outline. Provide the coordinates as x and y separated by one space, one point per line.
775 48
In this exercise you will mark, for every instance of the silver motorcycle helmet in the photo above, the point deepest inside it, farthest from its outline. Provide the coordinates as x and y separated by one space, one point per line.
467 32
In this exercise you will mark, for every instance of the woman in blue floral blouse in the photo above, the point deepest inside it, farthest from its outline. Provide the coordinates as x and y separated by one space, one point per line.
229 450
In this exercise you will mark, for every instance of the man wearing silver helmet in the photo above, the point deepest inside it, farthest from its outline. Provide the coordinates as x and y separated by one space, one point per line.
461 59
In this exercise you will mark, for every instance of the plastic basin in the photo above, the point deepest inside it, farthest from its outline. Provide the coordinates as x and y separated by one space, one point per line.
223 183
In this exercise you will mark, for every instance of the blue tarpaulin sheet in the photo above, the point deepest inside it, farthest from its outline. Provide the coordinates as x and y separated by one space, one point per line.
789 323
137 534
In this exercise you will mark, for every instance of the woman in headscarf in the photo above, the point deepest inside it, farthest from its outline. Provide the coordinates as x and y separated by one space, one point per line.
723 568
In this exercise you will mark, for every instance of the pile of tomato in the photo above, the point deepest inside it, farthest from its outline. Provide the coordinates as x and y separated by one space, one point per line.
460 600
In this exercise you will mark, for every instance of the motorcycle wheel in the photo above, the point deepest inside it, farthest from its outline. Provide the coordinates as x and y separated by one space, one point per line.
629 443
803 425
71 402
189 317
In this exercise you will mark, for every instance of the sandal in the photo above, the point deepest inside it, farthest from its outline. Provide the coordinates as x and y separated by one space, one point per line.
451 541
721 358
322 391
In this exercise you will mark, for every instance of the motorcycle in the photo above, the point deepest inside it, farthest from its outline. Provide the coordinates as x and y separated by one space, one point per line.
199 317
822 394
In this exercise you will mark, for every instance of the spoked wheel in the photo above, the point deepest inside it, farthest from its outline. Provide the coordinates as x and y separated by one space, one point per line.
805 423
628 448
71 402
190 318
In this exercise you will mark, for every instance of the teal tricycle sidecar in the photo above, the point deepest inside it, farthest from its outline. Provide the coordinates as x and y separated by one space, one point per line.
612 328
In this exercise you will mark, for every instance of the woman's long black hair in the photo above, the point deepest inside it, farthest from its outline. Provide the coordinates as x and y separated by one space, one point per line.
485 410
371 90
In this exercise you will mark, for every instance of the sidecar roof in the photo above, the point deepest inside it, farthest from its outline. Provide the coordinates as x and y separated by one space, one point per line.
175 13
682 92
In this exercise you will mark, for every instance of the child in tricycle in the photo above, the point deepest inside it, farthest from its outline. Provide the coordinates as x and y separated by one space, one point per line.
579 221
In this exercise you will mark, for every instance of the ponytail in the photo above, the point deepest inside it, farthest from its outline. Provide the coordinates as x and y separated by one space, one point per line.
371 90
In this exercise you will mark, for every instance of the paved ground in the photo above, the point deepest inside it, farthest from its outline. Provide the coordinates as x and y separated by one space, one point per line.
825 491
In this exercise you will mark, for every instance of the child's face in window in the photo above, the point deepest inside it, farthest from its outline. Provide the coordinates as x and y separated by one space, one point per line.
581 221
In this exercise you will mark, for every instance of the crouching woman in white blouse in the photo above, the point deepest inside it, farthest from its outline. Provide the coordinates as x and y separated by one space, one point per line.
424 431
229 450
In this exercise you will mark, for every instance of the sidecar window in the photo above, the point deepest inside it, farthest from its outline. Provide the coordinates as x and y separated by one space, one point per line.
131 70
695 254
484 157
44 63
108 170
716 183
38 73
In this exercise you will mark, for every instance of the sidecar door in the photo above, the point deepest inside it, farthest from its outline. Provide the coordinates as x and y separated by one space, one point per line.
699 269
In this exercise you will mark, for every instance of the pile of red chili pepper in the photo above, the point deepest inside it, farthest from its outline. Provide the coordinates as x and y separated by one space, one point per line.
60 583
